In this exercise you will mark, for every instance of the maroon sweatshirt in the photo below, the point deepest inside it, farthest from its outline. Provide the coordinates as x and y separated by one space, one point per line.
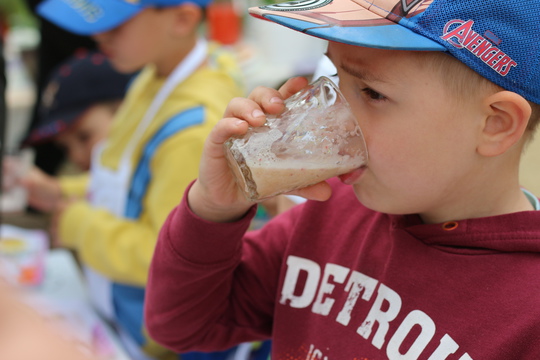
336 281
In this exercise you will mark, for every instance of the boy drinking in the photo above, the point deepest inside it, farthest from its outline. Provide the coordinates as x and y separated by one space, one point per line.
428 252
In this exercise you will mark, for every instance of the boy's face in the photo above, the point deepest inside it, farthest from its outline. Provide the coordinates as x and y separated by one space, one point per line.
421 139
79 140
141 40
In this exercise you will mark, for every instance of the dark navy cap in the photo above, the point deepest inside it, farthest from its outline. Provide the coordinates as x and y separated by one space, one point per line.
85 79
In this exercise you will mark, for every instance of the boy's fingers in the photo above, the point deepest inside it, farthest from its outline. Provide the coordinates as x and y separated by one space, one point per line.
292 86
270 100
226 128
245 109
263 100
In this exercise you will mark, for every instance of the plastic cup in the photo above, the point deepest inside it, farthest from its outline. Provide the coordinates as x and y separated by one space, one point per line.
15 165
315 138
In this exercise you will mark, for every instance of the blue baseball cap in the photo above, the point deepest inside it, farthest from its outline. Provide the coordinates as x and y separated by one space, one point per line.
88 17
497 38
83 80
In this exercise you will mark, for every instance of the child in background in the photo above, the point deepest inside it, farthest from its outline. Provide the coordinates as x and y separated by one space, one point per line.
152 152
76 112
431 251
54 47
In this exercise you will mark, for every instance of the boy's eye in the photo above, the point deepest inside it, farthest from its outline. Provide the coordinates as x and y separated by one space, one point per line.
372 94
83 136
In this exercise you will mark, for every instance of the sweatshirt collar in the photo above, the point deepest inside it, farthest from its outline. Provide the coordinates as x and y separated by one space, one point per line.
508 232
533 199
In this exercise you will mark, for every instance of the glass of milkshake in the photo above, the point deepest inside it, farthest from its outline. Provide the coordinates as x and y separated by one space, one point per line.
315 138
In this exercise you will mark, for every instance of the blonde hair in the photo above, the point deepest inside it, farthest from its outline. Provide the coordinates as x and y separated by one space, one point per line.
461 80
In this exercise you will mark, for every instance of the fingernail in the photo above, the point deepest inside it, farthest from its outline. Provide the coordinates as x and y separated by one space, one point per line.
276 100
257 113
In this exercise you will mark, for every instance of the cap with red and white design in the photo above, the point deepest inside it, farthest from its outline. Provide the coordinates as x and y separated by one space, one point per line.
498 38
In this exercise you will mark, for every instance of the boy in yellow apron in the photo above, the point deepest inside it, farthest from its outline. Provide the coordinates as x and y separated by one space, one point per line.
152 153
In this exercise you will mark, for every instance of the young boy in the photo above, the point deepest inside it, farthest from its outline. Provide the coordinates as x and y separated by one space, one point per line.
431 251
80 99
79 103
153 150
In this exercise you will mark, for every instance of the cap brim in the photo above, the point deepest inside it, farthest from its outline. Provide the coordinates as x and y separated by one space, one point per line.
345 21
94 17
49 127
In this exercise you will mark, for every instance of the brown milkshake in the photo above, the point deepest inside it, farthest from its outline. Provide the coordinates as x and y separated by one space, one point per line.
277 178
263 176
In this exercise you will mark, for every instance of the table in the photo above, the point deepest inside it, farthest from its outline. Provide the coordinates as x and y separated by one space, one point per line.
63 293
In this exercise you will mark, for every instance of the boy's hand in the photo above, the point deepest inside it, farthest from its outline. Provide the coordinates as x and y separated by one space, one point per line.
44 191
58 211
215 195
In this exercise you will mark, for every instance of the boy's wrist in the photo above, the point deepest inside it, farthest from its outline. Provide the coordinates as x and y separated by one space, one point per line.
198 203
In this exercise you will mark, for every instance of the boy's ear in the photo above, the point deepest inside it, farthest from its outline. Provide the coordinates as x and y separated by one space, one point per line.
188 16
505 124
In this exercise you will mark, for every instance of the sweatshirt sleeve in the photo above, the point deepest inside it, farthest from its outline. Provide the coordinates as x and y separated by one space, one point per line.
74 185
212 286
119 248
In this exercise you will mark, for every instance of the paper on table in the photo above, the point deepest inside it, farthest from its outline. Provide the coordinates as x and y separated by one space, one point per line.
22 255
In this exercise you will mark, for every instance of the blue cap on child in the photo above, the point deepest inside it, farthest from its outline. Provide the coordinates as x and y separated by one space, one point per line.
83 80
88 17
497 38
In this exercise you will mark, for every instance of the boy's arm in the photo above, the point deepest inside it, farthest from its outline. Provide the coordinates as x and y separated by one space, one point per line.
186 287
45 192
74 185
211 285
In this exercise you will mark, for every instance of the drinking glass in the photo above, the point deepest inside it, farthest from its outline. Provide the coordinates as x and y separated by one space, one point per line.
315 138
